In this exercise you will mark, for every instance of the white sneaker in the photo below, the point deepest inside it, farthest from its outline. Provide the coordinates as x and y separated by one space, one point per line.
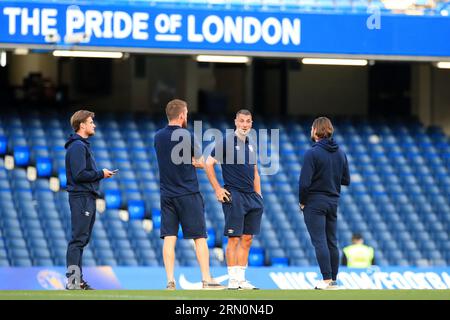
246 285
322 285
233 284
333 286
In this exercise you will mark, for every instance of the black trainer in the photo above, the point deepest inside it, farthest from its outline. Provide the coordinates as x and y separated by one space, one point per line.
85 286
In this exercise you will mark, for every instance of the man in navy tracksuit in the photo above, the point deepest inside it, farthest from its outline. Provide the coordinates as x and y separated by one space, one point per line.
83 179
181 201
325 169
241 197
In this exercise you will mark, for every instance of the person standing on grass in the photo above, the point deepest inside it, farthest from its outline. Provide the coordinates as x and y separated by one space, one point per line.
181 201
325 169
83 186
241 196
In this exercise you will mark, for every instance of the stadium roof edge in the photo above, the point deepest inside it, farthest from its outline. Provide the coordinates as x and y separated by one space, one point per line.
292 55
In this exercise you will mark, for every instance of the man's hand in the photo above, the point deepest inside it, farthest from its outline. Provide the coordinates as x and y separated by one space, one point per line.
222 195
108 173
198 163
302 206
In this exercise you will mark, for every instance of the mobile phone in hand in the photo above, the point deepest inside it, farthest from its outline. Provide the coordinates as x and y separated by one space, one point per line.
225 199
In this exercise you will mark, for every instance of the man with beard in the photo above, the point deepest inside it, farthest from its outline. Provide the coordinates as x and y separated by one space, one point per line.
240 197
181 201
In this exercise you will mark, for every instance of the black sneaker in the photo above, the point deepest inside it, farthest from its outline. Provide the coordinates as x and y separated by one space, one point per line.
85 286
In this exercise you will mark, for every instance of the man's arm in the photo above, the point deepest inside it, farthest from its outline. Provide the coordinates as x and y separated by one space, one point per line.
221 193
77 160
306 178
345 181
257 181
344 260
198 163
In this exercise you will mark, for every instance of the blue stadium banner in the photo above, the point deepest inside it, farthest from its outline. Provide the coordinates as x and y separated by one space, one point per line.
189 278
145 28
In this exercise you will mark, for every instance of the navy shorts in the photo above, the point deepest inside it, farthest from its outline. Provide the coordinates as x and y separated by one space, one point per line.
186 210
243 215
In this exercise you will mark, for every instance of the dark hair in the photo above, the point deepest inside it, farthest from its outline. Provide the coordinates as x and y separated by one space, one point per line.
174 108
245 112
80 117
357 236
324 128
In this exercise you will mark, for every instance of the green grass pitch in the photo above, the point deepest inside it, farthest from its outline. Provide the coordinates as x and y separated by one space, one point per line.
228 295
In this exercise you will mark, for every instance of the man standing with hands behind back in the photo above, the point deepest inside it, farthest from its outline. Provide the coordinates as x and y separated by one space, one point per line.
83 182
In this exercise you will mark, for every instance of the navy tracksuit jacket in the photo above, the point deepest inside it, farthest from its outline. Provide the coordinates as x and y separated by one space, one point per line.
83 181
324 170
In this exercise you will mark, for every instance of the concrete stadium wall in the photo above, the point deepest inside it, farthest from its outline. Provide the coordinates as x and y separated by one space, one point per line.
22 66
328 90
431 95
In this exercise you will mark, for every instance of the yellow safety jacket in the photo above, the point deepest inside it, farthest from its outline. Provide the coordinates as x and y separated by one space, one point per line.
359 256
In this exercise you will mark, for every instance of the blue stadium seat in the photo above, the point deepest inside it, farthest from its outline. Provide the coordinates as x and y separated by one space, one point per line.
3 145
44 167
256 257
21 262
156 218
21 156
136 209
279 262
211 237
113 199
400 202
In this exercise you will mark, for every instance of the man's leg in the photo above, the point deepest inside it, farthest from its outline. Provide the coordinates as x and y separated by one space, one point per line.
231 251
231 257
331 229
202 252
315 223
242 260
81 229
169 256
169 230
91 227
254 207
243 249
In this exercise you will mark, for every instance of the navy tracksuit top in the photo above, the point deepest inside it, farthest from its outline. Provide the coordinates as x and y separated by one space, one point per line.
325 169
83 176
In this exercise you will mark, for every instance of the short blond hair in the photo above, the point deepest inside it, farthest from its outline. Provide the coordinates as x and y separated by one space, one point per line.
174 108
80 117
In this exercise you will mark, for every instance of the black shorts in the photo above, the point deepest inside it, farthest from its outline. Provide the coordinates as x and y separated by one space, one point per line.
243 215
186 210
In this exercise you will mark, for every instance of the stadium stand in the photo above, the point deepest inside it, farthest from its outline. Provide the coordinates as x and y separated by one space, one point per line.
413 7
399 198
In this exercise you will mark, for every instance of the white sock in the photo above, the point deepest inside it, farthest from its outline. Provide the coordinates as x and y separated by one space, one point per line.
241 273
233 273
